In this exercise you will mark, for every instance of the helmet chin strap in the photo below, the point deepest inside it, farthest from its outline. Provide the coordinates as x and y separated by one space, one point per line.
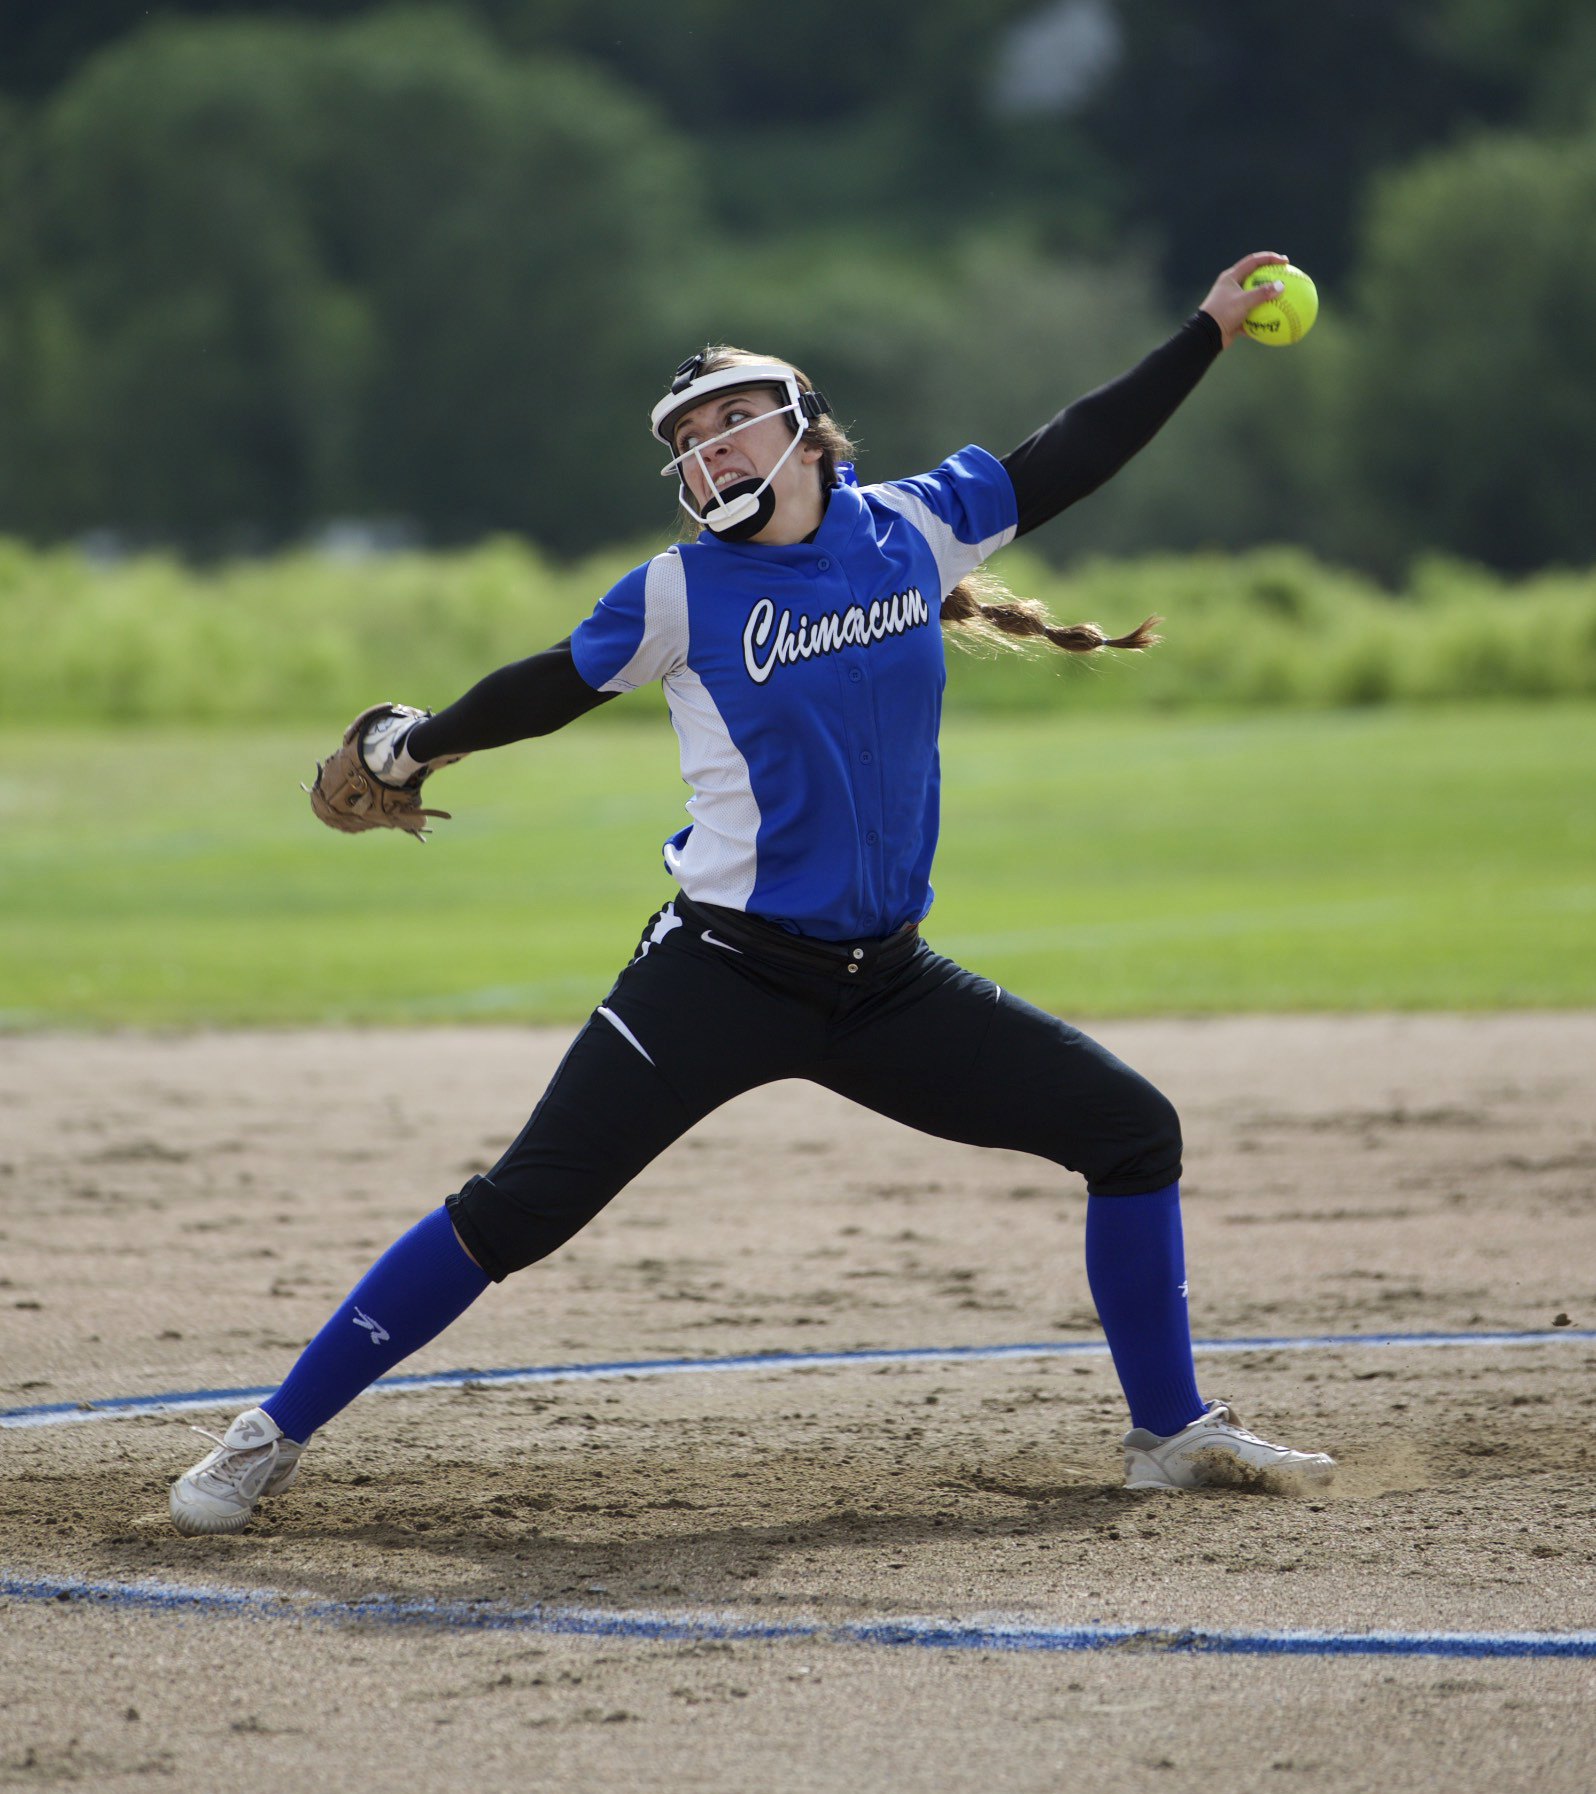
739 511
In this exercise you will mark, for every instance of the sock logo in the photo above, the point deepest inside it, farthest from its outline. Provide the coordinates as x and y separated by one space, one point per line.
1183 1291
379 1334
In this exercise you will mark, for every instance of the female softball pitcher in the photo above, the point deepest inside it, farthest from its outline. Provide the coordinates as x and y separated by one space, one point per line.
797 634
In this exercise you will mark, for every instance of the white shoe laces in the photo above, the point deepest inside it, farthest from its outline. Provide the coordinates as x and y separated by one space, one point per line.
234 1463
1225 1416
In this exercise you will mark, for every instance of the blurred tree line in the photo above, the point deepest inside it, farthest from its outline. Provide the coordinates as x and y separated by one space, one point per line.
263 266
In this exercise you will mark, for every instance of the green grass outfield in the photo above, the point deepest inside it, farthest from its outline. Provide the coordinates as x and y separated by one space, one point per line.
1112 865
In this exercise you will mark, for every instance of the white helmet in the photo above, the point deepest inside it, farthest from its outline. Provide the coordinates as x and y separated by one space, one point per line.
743 508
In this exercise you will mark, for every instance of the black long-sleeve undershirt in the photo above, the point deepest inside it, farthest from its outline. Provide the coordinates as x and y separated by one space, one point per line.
1092 439
1068 458
529 697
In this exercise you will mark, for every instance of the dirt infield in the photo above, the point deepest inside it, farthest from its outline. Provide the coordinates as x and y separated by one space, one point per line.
179 1213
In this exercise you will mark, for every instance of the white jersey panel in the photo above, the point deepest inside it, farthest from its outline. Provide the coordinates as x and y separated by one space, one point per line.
663 647
954 558
718 861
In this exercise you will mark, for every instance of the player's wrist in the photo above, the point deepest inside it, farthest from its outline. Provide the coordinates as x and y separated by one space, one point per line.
385 747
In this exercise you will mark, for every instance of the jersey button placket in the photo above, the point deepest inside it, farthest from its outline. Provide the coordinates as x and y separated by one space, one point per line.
859 712
869 789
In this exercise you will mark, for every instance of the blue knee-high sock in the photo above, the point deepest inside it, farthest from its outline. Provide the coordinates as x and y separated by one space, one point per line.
1136 1268
421 1283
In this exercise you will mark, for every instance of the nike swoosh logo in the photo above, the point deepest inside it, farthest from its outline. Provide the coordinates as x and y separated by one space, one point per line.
725 946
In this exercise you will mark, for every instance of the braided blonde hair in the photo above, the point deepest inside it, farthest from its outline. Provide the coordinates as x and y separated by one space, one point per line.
980 612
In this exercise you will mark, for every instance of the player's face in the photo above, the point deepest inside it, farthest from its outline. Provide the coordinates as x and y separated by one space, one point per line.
742 436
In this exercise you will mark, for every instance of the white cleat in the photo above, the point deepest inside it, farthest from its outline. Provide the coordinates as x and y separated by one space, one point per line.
1216 1450
253 1458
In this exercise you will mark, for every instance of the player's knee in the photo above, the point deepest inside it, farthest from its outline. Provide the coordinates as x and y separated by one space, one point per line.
1141 1150
505 1233
1162 1137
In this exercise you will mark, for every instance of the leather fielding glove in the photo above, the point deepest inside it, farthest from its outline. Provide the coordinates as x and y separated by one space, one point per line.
370 781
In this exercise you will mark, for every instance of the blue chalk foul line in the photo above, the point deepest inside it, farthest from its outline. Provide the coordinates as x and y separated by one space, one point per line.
188 1400
911 1630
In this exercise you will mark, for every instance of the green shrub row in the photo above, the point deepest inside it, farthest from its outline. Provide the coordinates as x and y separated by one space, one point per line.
311 637
1275 627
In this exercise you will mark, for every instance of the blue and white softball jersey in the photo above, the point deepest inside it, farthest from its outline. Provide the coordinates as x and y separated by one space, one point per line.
805 686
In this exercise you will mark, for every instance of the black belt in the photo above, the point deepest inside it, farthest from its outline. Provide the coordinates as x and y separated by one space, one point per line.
800 952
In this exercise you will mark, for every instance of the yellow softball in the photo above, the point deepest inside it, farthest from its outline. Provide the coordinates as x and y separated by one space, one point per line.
1289 316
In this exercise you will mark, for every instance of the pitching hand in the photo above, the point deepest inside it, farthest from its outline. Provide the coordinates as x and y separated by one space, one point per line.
1228 303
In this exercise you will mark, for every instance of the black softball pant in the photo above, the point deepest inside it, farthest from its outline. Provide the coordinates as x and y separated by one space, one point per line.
715 1003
